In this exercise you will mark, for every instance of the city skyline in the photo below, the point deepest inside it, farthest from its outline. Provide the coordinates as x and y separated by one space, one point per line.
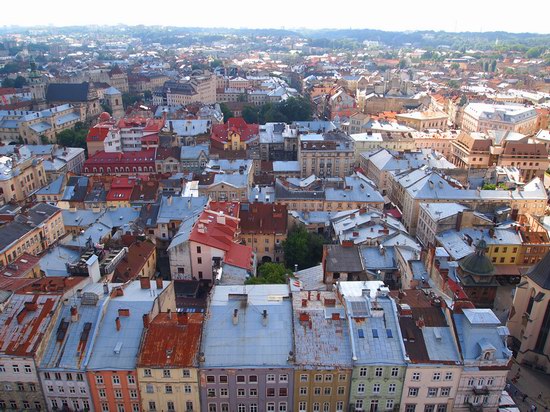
405 16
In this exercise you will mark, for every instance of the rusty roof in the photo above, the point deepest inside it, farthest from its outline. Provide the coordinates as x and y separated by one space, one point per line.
130 266
172 340
263 218
24 323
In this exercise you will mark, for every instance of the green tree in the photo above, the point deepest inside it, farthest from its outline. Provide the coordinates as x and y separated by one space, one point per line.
534 52
485 66
251 114
106 108
489 186
20 81
270 273
402 63
493 65
147 95
453 84
302 248
296 108
455 66
227 113
73 138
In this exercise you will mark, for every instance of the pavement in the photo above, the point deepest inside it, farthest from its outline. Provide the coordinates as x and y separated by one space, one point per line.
527 387
503 302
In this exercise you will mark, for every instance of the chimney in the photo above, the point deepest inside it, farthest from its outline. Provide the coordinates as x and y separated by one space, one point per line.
145 320
145 282
336 316
264 317
124 312
304 303
74 313
420 322
79 293
235 316
183 318
170 314
318 295
309 295
220 219
159 282
117 323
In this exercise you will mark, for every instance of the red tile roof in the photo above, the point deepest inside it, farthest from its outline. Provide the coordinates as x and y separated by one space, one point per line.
240 256
131 265
99 132
172 342
236 124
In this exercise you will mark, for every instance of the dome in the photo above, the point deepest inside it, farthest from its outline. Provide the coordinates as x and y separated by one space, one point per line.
477 263
104 117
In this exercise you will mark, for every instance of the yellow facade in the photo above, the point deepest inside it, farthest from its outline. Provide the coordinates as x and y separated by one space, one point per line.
175 389
321 390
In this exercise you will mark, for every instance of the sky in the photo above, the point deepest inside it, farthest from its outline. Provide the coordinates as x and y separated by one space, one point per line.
395 15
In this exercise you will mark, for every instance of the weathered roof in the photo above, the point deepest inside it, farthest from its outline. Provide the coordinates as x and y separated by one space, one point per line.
540 273
67 92
249 343
343 259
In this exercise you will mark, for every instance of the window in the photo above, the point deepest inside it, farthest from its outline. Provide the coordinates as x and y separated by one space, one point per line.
342 377
28 369
359 404
102 393
253 379
166 373
302 406
46 374
445 391
189 405
270 407
152 406
303 390
270 392
118 394
211 393
149 388
187 374
133 393
471 382
432 392
363 372
303 378
116 380
147 373
328 378
222 379
376 388
198 249
131 380
72 389
15 368
212 379
168 389
282 407
20 387
212 407
241 379
328 391
341 390
241 407
270 378
317 391
442 408
326 407
410 407
104 407
413 391
241 393
416 376
199 260
436 376
187 388
391 388
50 388
389 404
429 408
170 406
394 372
32 387
378 372
448 376
318 378
224 393
361 388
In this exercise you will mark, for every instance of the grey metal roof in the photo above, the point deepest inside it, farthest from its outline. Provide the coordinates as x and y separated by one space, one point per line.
540 273
118 350
343 259
179 208
329 337
249 343
440 344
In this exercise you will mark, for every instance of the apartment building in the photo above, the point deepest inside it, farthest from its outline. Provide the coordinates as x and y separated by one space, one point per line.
25 322
258 374
112 368
326 155
424 120
20 175
481 117
486 358
322 376
167 367
434 363
377 346
62 370
264 227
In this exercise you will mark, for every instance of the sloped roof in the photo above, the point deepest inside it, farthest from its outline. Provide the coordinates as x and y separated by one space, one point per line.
540 273
67 92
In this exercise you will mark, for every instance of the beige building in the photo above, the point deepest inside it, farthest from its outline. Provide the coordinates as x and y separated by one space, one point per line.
529 320
19 177
33 232
424 120
328 155
481 117
442 142
167 367
322 376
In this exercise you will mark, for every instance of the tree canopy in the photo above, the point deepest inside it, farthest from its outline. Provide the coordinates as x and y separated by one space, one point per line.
302 248
73 138
270 273
287 111
227 113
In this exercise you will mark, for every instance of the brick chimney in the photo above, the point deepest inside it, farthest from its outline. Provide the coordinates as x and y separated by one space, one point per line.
145 282
304 303
117 323
183 318
159 282
145 320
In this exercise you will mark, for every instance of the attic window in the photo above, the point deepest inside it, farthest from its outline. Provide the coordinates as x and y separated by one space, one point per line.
389 333
361 333
375 333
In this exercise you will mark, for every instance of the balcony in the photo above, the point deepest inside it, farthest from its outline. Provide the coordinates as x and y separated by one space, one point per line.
481 390
475 408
